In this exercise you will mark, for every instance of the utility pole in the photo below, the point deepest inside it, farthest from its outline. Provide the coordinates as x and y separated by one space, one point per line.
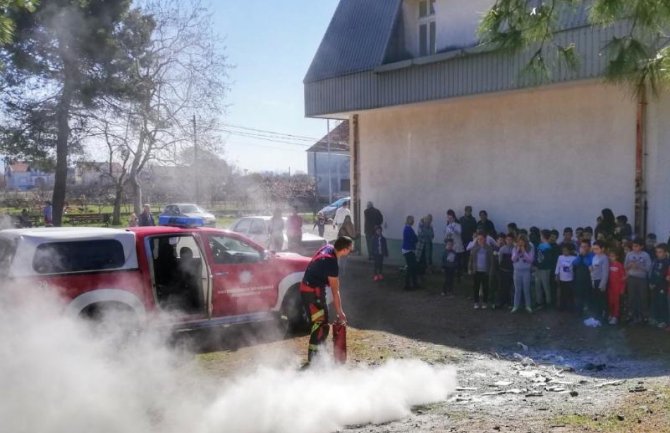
330 171
195 162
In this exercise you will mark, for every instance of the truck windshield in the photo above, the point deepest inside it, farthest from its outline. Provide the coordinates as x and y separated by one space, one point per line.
7 250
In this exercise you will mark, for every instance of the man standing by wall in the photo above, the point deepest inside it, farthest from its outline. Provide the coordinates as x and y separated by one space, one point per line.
373 219
486 225
468 229
322 272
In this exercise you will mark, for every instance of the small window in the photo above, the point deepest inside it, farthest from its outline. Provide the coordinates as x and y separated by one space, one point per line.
431 37
7 250
184 243
426 8
427 28
229 250
258 227
171 210
82 256
190 208
243 226
423 39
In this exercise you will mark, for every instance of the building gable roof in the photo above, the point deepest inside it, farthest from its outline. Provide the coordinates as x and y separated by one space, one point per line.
339 140
19 167
457 72
361 34
356 39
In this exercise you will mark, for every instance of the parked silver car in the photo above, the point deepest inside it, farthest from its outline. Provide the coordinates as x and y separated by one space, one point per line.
329 211
256 229
190 210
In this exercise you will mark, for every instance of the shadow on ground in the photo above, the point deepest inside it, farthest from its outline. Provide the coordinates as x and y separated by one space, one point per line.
546 337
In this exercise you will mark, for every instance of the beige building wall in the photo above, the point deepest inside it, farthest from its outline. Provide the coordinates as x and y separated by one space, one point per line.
550 157
658 166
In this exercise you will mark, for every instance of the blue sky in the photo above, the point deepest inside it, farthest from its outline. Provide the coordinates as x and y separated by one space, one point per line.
271 44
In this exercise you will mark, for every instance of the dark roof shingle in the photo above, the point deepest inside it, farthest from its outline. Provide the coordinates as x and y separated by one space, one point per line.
356 38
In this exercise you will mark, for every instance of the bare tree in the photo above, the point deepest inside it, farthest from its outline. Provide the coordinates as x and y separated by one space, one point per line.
183 74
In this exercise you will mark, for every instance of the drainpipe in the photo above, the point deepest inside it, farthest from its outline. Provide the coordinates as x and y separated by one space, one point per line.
640 173
316 183
355 178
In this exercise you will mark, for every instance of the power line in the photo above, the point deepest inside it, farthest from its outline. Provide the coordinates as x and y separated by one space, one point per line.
269 146
265 131
262 137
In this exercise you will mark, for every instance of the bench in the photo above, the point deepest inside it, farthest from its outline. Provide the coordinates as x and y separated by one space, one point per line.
83 219
34 220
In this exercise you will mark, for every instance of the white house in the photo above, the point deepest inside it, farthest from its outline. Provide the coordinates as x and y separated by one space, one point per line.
440 122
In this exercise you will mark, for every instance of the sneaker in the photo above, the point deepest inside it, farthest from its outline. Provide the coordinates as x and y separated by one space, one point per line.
529 310
381 277
662 325
375 278
484 307
613 321
514 310
476 306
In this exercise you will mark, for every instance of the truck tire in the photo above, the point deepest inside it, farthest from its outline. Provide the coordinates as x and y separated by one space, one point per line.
111 318
293 311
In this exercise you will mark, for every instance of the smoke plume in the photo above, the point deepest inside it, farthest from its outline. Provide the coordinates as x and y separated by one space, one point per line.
57 374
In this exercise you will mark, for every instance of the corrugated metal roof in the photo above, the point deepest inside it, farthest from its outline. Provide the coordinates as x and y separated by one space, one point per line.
467 72
356 38
360 32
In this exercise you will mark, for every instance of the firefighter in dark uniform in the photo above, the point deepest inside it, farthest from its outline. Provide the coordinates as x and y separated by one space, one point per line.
323 272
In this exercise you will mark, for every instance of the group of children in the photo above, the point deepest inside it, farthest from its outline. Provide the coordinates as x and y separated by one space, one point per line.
591 278
602 279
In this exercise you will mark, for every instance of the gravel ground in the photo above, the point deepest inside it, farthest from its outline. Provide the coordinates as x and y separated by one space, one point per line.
544 372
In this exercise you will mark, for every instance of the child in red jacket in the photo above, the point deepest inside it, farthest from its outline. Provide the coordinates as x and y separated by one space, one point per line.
616 286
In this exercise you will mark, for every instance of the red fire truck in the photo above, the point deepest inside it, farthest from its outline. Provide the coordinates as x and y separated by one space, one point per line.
205 277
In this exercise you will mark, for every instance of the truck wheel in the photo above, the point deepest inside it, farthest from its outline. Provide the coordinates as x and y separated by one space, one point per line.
111 318
293 311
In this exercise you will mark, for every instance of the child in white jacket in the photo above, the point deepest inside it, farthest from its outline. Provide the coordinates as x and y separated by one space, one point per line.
564 277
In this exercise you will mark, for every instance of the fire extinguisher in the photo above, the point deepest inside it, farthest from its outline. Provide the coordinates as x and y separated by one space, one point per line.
340 342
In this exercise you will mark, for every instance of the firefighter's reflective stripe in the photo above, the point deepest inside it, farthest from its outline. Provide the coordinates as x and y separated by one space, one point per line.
319 319
318 315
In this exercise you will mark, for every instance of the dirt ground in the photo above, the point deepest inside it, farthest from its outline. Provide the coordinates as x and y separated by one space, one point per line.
544 372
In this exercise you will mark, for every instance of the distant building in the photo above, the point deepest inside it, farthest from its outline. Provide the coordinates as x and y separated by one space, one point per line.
335 167
23 176
95 173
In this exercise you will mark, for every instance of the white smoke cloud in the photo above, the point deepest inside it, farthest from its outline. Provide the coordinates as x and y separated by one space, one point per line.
56 375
